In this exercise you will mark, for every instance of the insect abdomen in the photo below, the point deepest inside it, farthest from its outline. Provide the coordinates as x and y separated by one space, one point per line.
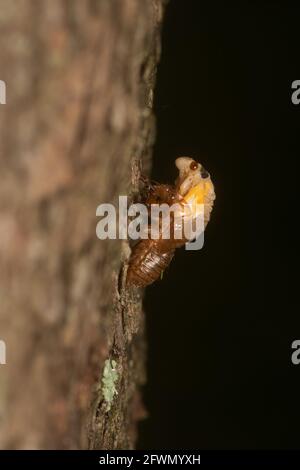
147 263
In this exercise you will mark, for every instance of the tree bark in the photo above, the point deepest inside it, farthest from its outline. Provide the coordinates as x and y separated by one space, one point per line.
75 127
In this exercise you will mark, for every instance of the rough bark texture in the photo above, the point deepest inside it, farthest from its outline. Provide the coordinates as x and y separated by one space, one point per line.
77 123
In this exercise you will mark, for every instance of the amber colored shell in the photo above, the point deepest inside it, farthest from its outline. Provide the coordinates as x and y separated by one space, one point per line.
147 263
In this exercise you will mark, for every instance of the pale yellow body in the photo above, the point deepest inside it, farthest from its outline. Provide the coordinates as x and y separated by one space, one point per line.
198 193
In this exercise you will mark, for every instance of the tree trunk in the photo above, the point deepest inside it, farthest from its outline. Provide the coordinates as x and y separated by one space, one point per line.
76 125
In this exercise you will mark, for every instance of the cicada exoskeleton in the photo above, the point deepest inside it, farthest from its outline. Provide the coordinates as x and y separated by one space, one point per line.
151 255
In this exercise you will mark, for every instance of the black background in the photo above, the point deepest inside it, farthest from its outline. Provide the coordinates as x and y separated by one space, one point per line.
221 323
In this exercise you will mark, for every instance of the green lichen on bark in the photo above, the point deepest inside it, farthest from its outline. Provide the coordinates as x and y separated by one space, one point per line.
109 380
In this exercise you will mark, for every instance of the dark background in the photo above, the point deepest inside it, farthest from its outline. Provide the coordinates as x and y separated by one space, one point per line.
221 323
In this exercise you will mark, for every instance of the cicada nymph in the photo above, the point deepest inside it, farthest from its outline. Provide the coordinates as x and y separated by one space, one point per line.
192 189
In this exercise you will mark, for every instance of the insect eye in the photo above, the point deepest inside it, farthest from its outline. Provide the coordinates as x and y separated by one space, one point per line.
204 173
194 166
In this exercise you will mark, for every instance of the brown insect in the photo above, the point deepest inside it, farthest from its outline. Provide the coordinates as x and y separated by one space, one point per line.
151 256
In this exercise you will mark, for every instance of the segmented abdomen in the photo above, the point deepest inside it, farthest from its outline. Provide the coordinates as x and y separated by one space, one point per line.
147 263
